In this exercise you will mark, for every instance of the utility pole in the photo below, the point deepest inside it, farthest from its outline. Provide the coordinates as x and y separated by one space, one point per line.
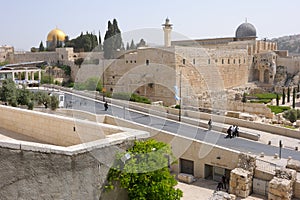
103 88
179 117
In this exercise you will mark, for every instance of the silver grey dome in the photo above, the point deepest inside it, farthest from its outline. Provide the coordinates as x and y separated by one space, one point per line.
245 30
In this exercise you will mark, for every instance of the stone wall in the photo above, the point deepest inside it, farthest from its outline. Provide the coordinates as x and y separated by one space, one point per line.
241 177
31 174
282 185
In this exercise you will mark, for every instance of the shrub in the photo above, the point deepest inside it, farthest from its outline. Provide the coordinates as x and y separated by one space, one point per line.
291 115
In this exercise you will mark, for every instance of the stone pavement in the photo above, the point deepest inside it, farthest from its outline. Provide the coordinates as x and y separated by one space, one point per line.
203 189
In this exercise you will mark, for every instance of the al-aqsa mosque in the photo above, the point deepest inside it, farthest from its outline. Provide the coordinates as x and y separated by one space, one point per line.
55 38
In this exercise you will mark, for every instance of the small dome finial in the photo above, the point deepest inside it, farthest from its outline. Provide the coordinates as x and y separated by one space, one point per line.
246 20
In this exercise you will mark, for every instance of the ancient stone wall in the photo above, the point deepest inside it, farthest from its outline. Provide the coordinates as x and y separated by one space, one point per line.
282 185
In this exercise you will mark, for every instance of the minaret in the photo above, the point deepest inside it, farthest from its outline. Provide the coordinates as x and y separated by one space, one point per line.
167 27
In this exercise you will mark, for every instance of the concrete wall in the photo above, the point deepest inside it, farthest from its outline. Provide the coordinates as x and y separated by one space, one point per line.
52 129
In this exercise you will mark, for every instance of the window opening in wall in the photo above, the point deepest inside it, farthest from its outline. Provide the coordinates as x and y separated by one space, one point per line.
135 61
131 61
228 61
208 61
222 61
239 61
183 61
126 61
216 61
113 77
233 61
244 60
147 62
194 61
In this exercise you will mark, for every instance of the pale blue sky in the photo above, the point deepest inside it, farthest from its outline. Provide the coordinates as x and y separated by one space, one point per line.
26 22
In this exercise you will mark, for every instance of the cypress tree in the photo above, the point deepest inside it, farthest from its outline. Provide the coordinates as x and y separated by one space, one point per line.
117 34
283 96
108 42
294 98
41 48
132 45
127 46
288 95
277 100
100 42
298 90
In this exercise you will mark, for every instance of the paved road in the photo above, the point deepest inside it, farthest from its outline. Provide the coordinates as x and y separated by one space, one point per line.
190 131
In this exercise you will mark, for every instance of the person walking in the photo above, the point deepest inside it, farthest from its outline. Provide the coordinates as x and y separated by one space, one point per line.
105 106
224 181
209 124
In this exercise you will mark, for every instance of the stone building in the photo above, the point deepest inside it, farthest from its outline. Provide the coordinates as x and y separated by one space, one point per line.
200 68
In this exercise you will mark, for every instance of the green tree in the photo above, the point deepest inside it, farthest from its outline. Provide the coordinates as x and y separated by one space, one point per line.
8 92
100 46
42 98
143 171
142 43
291 115
54 102
283 96
41 47
127 46
108 43
117 34
288 95
294 98
244 99
277 100
24 96
93 84
132 45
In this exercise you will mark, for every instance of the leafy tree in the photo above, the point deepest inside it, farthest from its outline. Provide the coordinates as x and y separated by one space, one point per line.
291 115
288 95
85 42
41 48
42 98
283 96
54 102
8 92
79 61
24 96
145 175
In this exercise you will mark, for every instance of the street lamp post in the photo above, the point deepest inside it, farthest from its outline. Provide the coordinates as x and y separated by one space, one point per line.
103 88
179 117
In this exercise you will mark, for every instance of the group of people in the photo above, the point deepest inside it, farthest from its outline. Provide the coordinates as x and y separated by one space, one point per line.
232 131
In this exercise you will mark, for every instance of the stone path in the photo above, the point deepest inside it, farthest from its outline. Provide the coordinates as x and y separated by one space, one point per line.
203 189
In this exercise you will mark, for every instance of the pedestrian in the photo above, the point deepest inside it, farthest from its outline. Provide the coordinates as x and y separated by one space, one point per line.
209 124
229 132
105 106
237 131
224 181
219 186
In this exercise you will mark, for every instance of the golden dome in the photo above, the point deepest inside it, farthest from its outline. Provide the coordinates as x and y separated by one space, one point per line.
56 33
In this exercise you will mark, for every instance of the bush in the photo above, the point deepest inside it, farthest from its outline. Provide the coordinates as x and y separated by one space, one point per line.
278 109
177 106
291 115
265 96
132 97
30 105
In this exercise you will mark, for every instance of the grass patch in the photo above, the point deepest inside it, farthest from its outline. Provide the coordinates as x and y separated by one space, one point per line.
279 109
266 96
265 101
290 127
